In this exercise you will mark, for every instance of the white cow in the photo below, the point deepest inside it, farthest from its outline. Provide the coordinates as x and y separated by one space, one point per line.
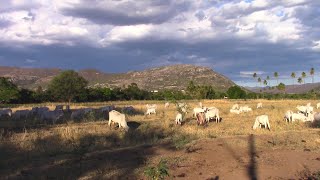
259 105
288 116
245 109
117 117
262 120
200 104
20 114
179 118
167 104
198 110
213 113
306 110
6 112
151 111
52 116
318 105
298 116
235 107
236 111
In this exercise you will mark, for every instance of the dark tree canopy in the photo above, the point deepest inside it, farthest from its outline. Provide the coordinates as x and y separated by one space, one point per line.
235 92
8 90
67 86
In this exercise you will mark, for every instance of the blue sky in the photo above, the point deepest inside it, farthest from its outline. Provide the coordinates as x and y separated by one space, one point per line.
233 37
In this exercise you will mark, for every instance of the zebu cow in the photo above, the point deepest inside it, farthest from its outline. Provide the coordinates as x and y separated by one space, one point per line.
201 118
212 113
52 116
117 117
179 118
262 120
21 114
5 113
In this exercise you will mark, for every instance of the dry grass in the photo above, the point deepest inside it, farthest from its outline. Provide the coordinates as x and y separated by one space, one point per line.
231 125
81 138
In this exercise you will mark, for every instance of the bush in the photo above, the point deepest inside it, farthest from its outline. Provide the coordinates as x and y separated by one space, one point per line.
158 172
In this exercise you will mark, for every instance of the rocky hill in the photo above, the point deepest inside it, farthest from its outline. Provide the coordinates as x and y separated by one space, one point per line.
166 77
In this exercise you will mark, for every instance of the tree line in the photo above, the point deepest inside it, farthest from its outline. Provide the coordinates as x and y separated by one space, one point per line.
293 75
69 86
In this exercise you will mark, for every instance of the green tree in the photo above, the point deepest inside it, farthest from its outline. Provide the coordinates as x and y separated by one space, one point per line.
67 86
276 75
259 80
254 75
8 90
235 92
293 75
265 82
268 78
281 87
299 80
303 75
312 74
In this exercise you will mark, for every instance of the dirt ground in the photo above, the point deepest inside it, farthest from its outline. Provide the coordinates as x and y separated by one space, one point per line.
217 158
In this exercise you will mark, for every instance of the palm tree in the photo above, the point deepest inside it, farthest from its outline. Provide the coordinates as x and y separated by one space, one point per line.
259 80
293 75
254 76
276 75
312 74
299 80
265 82
268 78
303 75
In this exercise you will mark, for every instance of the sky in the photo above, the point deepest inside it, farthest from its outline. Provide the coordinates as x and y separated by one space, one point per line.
233 37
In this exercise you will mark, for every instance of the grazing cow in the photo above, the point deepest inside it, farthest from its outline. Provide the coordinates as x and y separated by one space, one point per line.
5 113
212 113
80 113
37 111
117 117
58 107
235 107
179 118
298 116
201 118
166 105
198 110
52 116
128 110
20 114
288 116
151 111
262 120
236 111
245 109
259 105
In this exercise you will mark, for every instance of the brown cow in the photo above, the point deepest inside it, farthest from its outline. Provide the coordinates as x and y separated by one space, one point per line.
201 118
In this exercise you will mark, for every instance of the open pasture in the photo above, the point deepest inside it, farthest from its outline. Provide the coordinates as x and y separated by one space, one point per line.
93 150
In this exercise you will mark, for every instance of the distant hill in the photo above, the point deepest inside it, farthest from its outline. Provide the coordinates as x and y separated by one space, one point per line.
166 77
290 89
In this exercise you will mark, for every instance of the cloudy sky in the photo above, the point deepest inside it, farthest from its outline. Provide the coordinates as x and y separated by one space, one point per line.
233 37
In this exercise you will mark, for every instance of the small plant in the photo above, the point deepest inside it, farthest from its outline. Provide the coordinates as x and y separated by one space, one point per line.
158 172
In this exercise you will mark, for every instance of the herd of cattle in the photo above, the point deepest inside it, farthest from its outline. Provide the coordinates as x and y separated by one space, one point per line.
202 114
59 114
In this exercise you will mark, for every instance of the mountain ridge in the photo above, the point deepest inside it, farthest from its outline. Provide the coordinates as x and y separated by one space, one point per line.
157 78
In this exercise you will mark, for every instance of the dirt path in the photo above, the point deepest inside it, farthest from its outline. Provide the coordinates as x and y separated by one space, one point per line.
219 158
215 159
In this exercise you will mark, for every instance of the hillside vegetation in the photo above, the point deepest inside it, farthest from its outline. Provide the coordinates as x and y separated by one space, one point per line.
174 77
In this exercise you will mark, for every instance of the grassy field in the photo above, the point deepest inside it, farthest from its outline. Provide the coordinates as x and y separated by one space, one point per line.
59 143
